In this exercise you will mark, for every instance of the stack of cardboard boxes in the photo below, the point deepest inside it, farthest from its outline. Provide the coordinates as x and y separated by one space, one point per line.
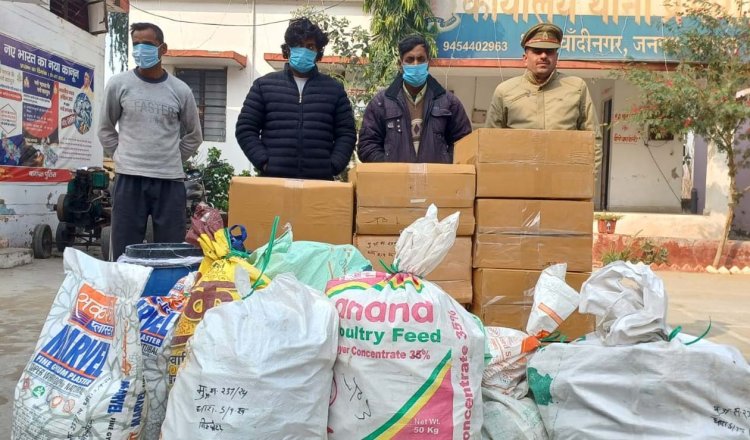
533 208
390 196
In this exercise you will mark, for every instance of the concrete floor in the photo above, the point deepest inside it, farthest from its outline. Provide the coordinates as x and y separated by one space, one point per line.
29 290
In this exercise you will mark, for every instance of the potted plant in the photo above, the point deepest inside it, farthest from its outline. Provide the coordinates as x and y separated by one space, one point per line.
606 222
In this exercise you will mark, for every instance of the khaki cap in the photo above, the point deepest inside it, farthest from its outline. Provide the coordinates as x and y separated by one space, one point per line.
543 36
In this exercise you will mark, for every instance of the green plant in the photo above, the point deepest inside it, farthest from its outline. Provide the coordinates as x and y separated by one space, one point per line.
217 173
635 250
606 216
351 44
613 255
391 21
711 44
369 59
652 253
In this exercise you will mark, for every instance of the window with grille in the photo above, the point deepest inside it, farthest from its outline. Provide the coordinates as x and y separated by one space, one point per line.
209 88
73 11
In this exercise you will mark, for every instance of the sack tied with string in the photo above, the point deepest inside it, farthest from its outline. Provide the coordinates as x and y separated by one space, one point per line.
635 377
215 285
410 358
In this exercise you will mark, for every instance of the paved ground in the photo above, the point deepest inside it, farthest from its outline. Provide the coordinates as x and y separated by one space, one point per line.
28 291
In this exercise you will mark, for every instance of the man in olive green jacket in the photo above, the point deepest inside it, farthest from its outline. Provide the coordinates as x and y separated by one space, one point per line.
543 98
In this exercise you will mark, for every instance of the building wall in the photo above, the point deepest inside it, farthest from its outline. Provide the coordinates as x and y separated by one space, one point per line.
27 205
742 213
645 176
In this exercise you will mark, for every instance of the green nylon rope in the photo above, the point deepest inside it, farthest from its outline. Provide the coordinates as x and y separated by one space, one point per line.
266 257
390 268
678 329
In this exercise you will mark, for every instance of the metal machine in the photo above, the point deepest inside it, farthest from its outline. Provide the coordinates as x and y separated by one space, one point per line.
84 213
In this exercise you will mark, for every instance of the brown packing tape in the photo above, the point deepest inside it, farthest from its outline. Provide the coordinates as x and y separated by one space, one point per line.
418 177
415 185
534 217
513 286
533 147
532 251
542 164
318 211
392 221
293 190
517 317
523 181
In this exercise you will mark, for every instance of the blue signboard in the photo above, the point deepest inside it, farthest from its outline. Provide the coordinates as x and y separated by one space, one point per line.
586 37
29 59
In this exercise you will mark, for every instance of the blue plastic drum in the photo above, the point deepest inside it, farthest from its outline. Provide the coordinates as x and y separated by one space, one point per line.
170 261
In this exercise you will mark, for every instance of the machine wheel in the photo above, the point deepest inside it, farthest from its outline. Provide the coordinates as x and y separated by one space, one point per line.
60 207
41 241
104 239
64 236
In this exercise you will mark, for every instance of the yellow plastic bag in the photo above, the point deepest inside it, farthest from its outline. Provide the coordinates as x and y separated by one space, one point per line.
215 285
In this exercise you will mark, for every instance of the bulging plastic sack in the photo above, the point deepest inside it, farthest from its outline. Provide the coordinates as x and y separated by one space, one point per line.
632 378
215 285
260 368
508 412
629 302
509 349
85 377
410 358
422 246
312 263
509 418
158 315
554 302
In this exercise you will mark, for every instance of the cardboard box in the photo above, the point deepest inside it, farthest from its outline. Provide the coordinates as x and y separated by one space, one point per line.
456 266
460 290
415 185
538 217
391 221
530 164
509 287
317 210
498 251
517 317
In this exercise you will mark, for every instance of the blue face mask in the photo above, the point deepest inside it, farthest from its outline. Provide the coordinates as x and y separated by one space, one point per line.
302 59
415 74
145 55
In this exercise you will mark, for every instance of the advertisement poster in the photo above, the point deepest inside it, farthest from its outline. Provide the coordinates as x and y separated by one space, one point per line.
46 114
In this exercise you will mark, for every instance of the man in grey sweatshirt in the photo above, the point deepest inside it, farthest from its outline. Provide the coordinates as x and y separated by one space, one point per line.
159 128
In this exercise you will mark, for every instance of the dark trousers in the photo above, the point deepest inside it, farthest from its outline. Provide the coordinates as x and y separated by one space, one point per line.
134 199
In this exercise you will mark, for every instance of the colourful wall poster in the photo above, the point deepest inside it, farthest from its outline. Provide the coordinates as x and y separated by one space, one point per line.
46 114
594 30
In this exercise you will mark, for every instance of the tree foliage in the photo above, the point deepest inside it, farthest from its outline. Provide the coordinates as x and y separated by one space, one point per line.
369 58
393 20
352 44
118 41
711 46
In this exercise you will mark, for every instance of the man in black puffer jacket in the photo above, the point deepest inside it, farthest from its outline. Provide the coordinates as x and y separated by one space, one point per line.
298 123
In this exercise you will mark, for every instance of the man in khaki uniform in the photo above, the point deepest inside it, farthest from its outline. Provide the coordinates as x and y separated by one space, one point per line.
543 98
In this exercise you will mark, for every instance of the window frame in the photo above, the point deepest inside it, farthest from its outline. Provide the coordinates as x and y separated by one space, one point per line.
200 100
